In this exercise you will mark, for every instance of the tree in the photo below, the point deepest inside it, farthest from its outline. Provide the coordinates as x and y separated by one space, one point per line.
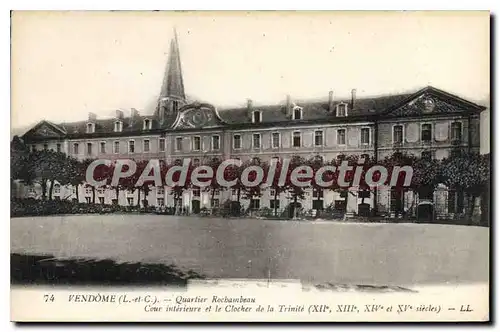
146 185
179 187
296 192
76 172
44 165
214 185
469 172
275 185
250 192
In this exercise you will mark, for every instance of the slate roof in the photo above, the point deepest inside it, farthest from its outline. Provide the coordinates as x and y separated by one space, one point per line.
315 110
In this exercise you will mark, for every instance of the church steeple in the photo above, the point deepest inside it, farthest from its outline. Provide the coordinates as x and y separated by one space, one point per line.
172 95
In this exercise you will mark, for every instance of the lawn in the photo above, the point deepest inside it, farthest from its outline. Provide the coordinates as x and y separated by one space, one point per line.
350 253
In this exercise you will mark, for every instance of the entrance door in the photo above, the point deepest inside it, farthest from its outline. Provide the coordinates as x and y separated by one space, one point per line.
195 206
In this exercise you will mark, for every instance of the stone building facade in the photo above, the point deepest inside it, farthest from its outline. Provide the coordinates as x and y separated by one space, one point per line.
427 122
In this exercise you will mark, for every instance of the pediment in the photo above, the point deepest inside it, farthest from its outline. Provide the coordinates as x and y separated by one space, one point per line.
45 130
197 115
432 101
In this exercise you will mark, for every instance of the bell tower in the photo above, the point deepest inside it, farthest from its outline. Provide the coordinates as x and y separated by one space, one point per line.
172 96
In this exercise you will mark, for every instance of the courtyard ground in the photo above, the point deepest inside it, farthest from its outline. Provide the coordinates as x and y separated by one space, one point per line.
314 252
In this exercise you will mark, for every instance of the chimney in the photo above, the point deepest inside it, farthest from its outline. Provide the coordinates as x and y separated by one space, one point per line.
92 116
330 101
119 114
288 105
249 108
134 113
353 98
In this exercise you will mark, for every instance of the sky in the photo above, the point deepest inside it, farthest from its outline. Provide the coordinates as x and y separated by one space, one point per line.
66 64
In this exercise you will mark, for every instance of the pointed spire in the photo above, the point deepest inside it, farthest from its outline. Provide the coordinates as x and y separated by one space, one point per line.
173 84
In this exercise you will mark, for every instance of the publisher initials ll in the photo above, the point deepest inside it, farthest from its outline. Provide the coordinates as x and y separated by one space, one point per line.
465 308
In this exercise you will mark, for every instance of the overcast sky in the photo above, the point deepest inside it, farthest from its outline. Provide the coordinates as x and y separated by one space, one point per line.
66 64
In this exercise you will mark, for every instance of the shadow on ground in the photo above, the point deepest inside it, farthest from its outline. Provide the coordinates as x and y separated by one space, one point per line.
32 269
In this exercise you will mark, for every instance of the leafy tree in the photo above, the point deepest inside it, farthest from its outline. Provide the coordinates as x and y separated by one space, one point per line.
296 192
275 185
469 172
76 173
250 192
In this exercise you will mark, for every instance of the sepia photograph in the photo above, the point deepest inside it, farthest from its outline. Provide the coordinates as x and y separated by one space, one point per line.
335 153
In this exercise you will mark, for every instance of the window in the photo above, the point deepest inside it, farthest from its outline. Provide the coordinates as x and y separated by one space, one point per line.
397 134
58 147
236 141
175 105
57 189
397 203
455 153
426 192
178 144
215 203
365 135
456 131
215 142
196 162
297 113
147 124
178 162
364 194
342 110
274 204
256 141
341 136
75 148
318 138
131 147
427 155
161 201
88 191
255 204
118 126
87 199
272 192
160 191
296 141
257 117
196 143
116 147
89 149
317 193
146 145
45 147
101 200
455 201
130 201
102 147
426 132
100 191
234 191
196 192
161 144
276 138
90 128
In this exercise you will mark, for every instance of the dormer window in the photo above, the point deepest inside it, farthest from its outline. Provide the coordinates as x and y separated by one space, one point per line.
257 116
118 126
90 128
297 113
147 124
342 110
